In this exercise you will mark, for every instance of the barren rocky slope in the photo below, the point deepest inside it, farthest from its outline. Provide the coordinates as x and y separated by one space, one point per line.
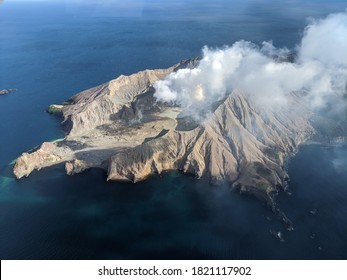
119 126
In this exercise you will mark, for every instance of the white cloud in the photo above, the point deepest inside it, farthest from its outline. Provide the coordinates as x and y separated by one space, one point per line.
326 40
320 70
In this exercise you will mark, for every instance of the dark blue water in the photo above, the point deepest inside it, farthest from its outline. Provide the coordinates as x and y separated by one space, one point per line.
51 51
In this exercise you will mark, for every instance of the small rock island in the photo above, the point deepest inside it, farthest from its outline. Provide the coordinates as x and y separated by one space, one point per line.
7 91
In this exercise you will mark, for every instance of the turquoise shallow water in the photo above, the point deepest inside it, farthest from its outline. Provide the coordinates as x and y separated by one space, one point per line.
50 215
51 51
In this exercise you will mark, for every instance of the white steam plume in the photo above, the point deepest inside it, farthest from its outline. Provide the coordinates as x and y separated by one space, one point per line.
320 70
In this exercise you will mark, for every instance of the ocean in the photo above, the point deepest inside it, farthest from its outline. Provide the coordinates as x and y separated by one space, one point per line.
50 51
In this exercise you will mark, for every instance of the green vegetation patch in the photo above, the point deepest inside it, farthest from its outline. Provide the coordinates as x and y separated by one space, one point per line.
263 186
273 153
55 109
261 169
